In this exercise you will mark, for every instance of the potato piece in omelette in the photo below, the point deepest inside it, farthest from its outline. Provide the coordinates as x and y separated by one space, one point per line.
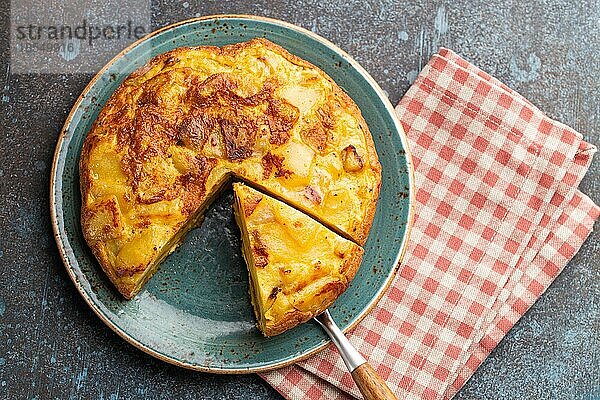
297 266
176 130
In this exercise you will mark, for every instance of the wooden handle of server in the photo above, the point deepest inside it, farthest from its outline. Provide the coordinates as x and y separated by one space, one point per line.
371 385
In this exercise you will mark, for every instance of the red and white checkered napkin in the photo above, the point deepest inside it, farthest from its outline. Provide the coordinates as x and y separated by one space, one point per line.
498 216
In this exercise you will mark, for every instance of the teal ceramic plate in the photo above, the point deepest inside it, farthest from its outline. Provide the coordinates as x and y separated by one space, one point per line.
195 311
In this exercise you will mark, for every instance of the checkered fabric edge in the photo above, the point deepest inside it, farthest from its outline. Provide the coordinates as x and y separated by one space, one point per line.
495 182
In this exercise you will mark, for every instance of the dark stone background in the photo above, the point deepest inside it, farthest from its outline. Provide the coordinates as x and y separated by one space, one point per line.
53 346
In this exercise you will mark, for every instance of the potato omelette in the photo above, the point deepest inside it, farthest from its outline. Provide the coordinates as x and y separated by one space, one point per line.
297 266
177 130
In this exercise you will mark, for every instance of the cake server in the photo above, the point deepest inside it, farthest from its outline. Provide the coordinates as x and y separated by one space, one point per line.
368 381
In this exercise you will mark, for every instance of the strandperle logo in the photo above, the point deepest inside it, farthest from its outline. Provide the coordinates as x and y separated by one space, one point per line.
73 36
84 31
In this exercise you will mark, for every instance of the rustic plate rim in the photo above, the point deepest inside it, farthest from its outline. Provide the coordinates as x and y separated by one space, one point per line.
211 369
